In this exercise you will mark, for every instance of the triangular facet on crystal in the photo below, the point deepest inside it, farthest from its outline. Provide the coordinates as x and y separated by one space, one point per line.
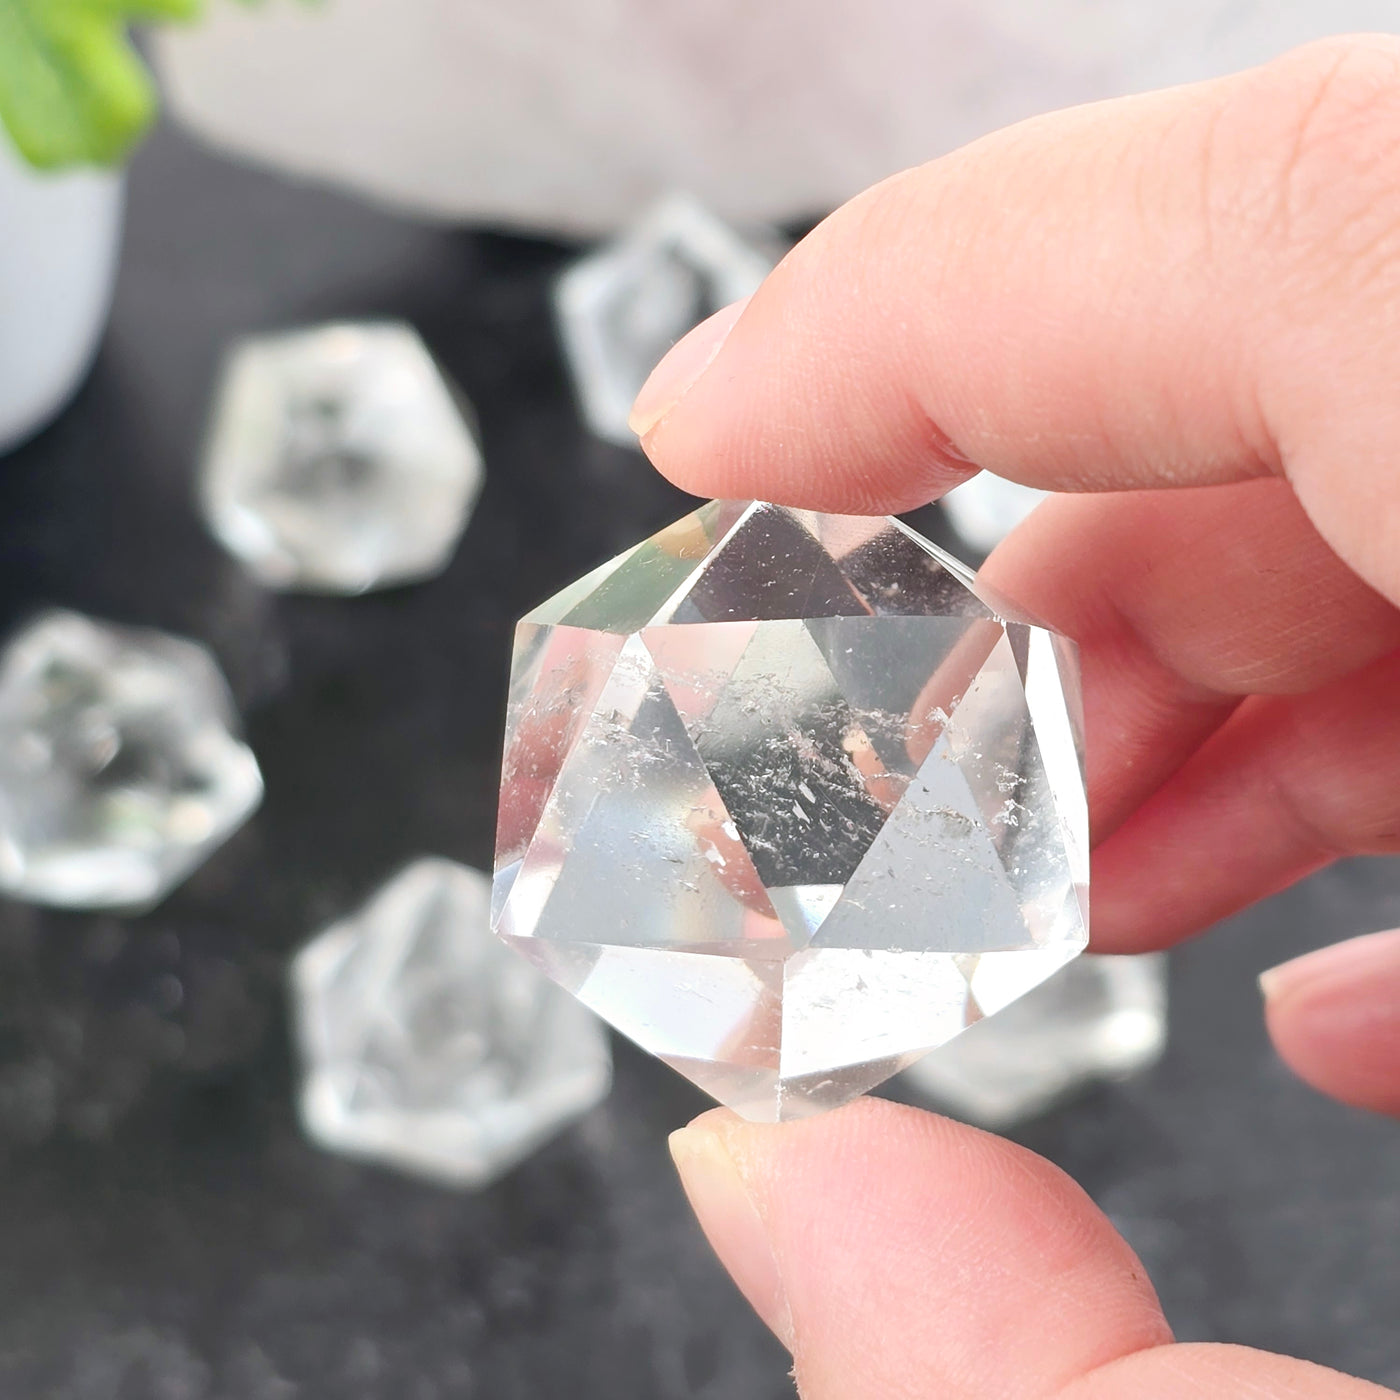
558 675
625 593
638 812
933 878
735 585
778 747
900 574
721 1009
824 809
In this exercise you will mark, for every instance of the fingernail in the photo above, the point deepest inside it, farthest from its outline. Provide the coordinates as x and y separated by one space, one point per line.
681 366
1355 960
715 1184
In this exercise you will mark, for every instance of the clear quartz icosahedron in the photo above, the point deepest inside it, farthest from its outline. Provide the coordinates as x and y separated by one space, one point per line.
621 307
790 800
339 459
1101 1019
121 769
427 1046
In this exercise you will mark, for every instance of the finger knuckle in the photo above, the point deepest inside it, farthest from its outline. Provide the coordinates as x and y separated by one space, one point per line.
1335 768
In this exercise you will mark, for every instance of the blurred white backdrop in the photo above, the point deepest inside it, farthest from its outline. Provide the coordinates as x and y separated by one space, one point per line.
573 115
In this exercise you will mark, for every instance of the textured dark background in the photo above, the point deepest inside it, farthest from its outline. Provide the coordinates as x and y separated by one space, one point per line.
165 1233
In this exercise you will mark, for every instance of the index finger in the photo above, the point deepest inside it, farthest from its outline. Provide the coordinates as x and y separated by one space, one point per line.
1189 287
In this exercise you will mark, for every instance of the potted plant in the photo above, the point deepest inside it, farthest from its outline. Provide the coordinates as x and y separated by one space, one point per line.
74 99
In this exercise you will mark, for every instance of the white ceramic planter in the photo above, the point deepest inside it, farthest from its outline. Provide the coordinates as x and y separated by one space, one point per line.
575 115
59 237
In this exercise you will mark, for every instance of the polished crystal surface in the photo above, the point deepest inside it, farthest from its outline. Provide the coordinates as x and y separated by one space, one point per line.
339 459
789 800
120 770
986 508
621 308
430 1047
1100 1018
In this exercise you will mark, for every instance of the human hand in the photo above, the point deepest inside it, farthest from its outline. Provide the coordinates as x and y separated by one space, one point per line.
1182 309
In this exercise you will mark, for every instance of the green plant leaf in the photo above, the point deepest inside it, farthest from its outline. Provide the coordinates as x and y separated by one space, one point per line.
73 90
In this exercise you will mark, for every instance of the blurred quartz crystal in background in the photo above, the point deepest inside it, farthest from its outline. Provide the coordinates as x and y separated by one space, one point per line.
623 306
428 1044
119 767
987 508
1100 1018
339 459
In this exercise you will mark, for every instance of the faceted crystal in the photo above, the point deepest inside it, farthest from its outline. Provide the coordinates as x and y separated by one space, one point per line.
429 1046
620 309
1100 1018
339 459
987 508
119 768
789 799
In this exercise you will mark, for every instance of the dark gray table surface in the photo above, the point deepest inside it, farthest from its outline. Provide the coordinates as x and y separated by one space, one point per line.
166 1233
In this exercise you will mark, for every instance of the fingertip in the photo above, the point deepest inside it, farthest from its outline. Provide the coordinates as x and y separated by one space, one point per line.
1334 1018
712 1158
1348 966
680 367
798 395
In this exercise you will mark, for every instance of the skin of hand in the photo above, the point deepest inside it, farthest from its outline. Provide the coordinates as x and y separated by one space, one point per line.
1180 310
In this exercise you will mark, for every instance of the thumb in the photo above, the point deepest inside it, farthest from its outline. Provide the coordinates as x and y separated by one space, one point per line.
898 1254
